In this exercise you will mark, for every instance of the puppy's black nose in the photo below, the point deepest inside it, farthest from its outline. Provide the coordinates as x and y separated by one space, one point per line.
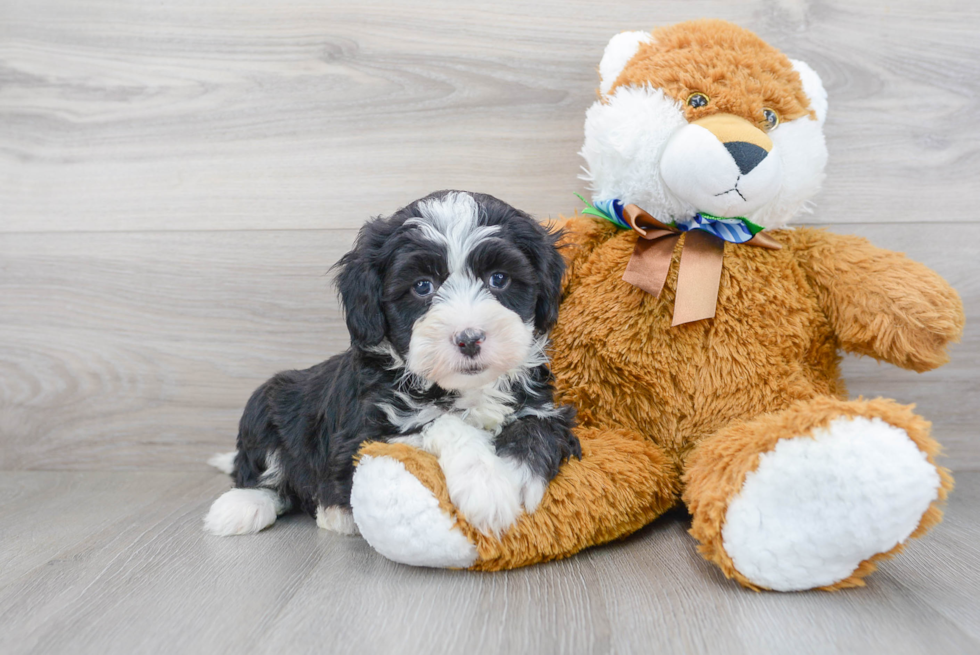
468 341
746 155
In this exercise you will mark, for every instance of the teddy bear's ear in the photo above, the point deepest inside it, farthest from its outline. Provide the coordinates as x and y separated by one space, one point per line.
619 51
813 88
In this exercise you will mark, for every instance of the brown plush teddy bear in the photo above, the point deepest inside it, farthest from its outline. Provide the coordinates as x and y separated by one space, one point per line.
699 339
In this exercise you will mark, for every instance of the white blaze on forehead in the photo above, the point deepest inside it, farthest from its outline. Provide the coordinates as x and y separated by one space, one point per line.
453 221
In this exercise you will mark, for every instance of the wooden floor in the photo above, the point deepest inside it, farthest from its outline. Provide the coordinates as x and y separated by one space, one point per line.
176 179
96 562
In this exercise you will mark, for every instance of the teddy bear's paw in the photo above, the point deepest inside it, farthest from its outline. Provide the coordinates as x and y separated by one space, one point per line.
401 518
485 489
816 508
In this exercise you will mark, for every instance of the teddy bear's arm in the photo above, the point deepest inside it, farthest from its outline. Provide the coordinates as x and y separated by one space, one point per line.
581 234
880 303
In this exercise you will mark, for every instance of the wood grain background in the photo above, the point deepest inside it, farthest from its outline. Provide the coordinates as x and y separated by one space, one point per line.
177 178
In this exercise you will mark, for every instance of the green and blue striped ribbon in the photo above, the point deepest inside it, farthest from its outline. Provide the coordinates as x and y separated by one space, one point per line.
733 230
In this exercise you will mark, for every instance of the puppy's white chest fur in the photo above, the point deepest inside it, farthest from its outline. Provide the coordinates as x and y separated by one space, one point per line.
486 408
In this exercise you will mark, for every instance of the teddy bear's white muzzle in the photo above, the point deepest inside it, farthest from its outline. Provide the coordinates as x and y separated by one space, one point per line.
728 179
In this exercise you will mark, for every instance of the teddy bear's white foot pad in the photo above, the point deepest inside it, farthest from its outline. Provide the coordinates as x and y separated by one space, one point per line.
401 519
815 508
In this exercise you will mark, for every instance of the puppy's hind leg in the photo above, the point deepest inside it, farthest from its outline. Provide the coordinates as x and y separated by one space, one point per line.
248 509
244 511
336 519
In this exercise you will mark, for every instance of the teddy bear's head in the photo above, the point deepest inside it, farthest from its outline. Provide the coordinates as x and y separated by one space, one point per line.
705 117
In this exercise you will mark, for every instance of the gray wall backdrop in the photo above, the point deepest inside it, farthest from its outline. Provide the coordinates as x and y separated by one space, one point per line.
176 180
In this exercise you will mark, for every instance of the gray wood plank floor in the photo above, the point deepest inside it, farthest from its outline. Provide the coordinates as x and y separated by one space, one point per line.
96 562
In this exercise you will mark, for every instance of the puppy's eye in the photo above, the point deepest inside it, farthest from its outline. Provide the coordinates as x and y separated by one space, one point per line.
770 118
499 281
697 100
422 288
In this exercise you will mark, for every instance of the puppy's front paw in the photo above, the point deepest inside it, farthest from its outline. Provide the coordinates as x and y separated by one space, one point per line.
485 492
532 486
532 491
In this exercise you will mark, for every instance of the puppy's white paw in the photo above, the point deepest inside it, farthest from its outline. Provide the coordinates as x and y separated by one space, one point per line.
336 519
243 511
532 491
488 490
532 486
485 491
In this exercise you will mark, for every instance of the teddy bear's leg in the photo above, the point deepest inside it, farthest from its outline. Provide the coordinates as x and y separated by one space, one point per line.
812 496
402 506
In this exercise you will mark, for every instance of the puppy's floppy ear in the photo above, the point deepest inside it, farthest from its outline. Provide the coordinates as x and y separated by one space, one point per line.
360 286
550 266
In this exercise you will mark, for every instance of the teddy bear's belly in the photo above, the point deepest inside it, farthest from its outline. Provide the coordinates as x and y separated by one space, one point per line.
618 359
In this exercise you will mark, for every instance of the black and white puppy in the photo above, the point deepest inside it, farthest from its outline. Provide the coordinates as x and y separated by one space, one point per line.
448 303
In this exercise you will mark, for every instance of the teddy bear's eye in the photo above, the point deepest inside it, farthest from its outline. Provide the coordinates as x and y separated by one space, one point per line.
697 100
770 118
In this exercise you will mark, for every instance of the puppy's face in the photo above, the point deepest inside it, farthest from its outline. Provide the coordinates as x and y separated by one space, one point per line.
459 284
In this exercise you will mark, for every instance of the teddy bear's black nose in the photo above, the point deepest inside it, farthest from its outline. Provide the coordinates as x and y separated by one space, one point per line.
746 155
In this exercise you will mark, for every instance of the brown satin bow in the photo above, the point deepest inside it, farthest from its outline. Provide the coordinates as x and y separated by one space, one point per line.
699 274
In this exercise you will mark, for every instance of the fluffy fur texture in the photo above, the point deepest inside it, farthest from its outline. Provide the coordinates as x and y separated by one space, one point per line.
336 519
864 484
686 414
448 303
620 49
622 483
643 143
244 511
224 462
430 539
718 470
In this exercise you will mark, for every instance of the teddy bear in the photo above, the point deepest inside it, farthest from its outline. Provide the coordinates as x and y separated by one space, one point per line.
700 339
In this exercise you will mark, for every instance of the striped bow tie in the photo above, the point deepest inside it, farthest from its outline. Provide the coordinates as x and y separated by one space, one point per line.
701 260
732 230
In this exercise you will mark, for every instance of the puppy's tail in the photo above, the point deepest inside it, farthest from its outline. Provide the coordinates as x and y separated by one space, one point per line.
224 462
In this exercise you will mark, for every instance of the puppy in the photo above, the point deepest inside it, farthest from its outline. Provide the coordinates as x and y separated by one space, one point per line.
448 303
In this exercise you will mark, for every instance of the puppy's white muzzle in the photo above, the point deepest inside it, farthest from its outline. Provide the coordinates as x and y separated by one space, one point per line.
722 165
443 349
